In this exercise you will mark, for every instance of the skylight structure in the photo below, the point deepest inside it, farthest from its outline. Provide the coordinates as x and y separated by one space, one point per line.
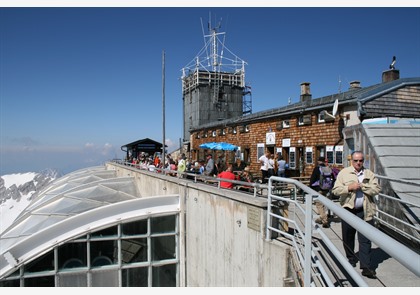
92 228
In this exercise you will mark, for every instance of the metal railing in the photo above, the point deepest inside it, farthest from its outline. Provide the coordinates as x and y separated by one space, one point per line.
396 214
291 218
255 188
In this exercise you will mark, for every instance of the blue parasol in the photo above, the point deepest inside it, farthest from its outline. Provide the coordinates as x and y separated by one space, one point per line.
223 146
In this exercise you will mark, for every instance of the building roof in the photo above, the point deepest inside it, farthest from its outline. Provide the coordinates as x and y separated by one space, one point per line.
380 89
353 95
146 142
71 206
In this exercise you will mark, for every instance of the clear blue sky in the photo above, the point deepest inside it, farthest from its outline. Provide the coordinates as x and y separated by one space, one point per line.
78 83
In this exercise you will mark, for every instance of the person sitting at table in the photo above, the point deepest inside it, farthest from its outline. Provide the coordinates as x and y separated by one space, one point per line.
238 166
227 174
247 177
196 168
201 164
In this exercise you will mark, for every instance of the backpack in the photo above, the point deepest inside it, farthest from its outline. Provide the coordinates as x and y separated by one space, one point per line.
326 179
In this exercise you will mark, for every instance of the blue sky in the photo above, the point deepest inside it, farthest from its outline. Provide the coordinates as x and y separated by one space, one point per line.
78 83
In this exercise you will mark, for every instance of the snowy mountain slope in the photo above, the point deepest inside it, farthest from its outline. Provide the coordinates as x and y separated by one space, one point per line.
16 191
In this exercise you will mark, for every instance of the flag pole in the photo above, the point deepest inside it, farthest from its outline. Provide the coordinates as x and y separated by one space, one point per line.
163 110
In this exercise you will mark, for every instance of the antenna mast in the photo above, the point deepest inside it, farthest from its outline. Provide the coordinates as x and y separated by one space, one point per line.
212 57
339 84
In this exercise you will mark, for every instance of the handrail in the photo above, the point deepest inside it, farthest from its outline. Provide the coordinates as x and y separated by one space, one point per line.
257 187
395 249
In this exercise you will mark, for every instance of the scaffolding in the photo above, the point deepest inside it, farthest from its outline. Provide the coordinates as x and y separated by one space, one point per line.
216 66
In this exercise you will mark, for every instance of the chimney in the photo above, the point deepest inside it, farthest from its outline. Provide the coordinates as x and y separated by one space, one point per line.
305 91
390 75
355 85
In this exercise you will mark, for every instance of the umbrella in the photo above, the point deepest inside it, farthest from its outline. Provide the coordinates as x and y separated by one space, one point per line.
223 146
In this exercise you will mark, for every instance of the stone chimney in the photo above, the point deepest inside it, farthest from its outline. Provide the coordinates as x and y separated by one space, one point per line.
355 85
390 75
305 91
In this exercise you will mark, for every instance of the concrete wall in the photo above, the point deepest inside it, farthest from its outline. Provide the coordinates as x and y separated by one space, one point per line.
222 233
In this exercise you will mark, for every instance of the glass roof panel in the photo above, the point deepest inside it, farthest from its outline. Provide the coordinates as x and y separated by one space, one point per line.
118 197
97 192
126 186
70 195
26 226
65 206
7 242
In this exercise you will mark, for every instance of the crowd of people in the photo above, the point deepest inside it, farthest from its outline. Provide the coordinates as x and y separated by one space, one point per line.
182 167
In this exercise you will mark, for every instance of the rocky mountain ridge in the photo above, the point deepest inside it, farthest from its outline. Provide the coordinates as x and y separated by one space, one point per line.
29 188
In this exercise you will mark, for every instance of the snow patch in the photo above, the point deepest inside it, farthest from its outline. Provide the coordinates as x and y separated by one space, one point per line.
18 179
11 209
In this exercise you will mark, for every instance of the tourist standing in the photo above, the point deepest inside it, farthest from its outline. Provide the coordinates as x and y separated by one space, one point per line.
281 172
264 166
182 166
357 186
209 166
322 182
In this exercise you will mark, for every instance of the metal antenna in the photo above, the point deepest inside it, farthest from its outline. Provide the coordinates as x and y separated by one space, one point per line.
339 84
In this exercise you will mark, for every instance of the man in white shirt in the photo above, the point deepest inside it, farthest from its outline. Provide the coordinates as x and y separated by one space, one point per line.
264 166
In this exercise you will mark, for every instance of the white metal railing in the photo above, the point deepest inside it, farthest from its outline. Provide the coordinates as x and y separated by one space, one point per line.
304 228
406 223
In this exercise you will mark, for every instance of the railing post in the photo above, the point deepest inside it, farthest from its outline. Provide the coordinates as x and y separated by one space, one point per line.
308 240
268 225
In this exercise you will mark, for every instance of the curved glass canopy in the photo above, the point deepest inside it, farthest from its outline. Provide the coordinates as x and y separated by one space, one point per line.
78 205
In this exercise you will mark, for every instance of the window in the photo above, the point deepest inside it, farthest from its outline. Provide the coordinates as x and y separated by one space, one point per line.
260 150
234 130
213 133
305 120
339 155
330 154
286 124
300 121
123 255
321 117
135 228
309 155
292 158
72 255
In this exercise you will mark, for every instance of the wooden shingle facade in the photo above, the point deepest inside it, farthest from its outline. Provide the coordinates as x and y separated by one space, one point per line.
303 131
